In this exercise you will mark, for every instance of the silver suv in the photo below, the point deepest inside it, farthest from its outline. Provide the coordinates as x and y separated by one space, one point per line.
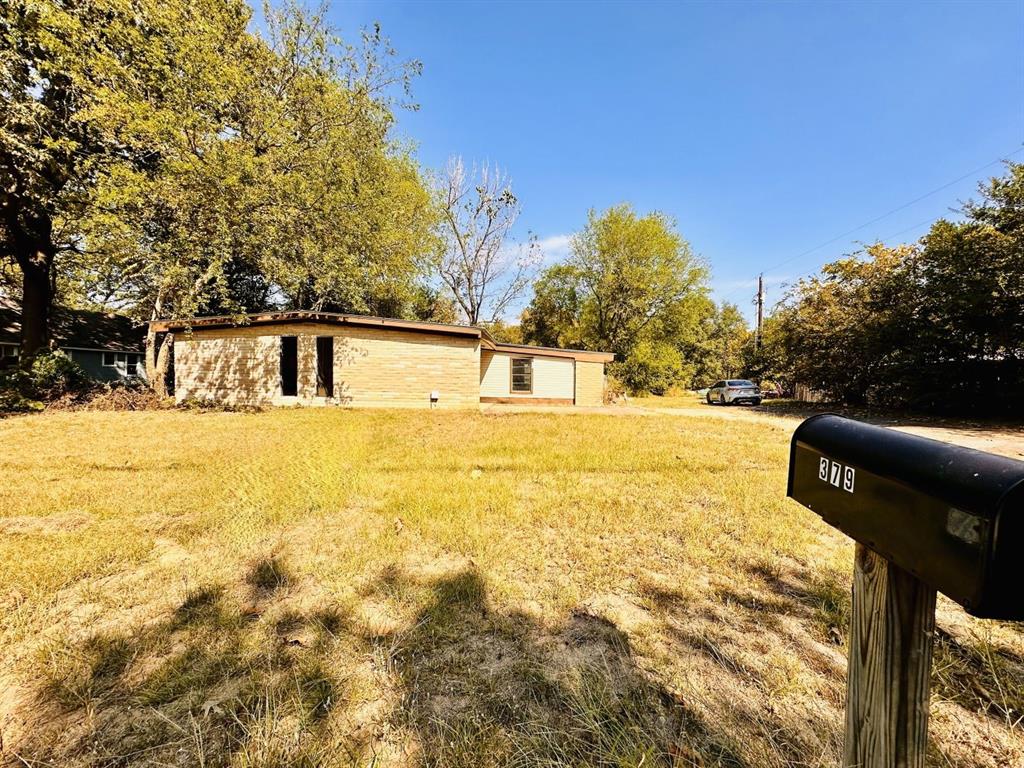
734 391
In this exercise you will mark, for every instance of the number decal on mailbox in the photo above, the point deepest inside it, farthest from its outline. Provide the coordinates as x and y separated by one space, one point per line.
834 473
848 476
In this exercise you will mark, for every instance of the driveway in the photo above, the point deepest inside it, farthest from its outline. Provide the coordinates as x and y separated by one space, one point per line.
1004 439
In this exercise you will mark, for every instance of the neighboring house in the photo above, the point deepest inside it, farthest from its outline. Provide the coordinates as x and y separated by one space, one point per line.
107 346
323 358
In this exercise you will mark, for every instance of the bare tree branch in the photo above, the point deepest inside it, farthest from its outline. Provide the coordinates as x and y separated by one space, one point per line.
481 271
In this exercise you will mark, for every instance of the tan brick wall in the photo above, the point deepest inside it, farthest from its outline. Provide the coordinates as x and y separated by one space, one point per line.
589 383
372 366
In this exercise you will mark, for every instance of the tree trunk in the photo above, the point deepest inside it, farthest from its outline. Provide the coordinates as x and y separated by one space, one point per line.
34 252
151 356
163 363
151 341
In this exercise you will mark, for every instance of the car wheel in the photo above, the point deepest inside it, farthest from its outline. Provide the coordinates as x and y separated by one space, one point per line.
721 400
757 401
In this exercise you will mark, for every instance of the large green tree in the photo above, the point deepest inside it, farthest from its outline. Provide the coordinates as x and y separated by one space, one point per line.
283 189
937 326
632 286
848 323
554 316
89 88
969 345
721 352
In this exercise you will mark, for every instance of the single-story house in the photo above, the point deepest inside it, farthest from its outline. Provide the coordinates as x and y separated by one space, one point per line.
324 358
106 345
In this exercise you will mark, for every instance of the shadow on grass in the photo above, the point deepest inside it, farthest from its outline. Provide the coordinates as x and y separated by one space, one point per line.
267 575
807 612
461 685
969 672
481 688
762 662
205 686
979 678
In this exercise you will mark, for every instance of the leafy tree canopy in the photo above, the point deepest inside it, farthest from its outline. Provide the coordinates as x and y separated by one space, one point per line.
168 161
632 286
938 325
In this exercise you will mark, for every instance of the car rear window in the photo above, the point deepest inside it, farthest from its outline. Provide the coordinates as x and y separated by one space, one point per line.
741 383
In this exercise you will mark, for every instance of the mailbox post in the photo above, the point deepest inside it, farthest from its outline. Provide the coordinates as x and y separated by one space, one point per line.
927 517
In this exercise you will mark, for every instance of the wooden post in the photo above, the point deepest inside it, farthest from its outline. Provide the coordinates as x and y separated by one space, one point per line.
891 637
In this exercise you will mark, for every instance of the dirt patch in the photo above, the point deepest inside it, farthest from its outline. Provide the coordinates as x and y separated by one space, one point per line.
34 525
1002 439
623 613
378 618
1005 441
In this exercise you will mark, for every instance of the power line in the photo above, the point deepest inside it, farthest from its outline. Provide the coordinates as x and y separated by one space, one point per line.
929 220
885 215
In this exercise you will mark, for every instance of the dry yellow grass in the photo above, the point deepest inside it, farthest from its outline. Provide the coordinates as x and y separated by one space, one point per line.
325 587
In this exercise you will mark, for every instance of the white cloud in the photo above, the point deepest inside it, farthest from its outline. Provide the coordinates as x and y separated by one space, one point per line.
555 248
551 250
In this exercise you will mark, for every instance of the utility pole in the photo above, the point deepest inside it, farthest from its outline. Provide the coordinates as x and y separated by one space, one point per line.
760 311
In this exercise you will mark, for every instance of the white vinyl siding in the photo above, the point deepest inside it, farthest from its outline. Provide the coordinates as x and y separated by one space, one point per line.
553 377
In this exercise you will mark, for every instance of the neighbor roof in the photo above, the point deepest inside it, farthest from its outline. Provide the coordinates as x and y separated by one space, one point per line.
420 326
77 328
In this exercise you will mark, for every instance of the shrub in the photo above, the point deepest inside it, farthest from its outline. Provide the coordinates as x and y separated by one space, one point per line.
50 377
54 375
614 390
12 401
651 367
206 405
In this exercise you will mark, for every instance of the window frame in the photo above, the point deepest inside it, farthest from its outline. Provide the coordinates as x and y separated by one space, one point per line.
123 362
512 375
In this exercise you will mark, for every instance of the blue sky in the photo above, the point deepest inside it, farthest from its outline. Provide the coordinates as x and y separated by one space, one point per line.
764 129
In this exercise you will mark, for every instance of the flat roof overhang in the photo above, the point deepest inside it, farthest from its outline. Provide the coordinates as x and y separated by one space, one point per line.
584 355
302 316
368 321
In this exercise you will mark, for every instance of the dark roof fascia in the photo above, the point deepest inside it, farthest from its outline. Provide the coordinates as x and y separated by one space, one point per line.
301 316
585 355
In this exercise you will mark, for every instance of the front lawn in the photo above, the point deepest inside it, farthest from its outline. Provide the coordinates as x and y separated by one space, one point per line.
329 587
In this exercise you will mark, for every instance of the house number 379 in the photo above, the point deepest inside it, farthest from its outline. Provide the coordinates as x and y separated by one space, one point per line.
836 474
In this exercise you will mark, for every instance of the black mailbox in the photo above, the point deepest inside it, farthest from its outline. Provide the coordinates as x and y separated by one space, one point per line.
952 516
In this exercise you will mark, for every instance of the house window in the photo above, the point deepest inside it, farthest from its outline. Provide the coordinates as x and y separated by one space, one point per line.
325 366
8 355
522 375
289 366
128 362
